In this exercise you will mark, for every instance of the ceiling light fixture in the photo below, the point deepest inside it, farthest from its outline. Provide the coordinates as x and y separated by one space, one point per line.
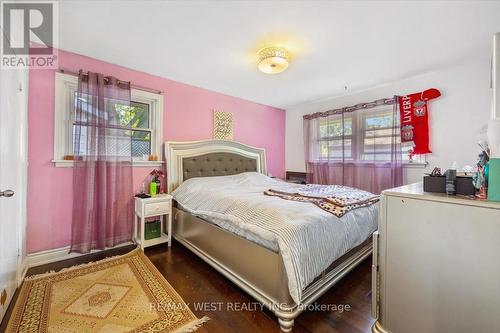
273 60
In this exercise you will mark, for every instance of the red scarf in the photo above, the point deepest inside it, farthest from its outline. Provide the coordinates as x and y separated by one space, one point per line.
414 119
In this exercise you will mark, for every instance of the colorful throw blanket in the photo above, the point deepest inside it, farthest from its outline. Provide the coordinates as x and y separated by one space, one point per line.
335 199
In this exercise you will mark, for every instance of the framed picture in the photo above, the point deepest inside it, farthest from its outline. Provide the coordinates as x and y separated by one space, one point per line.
223 125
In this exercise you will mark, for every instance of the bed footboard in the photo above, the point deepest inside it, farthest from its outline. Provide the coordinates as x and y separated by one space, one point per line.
258 271
255 269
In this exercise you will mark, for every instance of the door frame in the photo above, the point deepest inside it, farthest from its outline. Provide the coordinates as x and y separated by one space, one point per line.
22 259
16 126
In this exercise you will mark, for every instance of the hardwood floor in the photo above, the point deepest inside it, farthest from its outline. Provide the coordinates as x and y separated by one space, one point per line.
199 285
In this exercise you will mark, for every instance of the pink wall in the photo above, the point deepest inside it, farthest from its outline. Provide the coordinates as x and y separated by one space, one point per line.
187 116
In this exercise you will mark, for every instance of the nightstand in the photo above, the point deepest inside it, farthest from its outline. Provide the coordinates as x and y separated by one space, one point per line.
159 205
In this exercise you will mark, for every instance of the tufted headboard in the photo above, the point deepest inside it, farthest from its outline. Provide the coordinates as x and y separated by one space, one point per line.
216 164
208 158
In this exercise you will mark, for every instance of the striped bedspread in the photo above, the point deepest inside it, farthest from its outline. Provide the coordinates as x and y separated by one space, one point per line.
308 238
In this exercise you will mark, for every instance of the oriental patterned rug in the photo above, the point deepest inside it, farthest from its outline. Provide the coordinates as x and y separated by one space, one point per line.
119 294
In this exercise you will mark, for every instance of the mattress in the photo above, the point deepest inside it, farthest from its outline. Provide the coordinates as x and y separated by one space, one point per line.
224 223
308 238
270 242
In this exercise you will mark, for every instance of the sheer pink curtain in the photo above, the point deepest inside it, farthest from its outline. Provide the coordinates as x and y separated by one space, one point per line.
102 173
356 146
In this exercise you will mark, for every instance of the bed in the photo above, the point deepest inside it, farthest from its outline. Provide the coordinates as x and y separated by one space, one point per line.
219 212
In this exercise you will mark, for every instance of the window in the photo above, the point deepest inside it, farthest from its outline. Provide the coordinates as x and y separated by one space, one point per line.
142 120
373 143
379 134
331 145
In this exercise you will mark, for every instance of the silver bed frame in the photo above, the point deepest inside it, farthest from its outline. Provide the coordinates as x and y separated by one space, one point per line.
257 270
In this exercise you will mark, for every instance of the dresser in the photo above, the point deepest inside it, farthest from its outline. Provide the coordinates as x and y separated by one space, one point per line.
436 264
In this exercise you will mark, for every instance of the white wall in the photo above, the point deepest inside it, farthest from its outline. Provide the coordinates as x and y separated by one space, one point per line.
496 77
457 119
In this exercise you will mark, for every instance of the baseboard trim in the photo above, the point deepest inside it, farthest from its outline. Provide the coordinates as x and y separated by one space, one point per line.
23 270
62 253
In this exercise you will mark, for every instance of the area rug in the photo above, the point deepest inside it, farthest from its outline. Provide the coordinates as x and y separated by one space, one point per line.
119 294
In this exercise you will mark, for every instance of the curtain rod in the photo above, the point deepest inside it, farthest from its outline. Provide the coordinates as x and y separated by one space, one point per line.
134 86
360 106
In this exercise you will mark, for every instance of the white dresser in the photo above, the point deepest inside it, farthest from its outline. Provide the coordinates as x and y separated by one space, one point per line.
436 264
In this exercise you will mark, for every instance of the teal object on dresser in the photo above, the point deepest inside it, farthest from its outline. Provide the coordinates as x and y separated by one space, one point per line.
152 230
494 180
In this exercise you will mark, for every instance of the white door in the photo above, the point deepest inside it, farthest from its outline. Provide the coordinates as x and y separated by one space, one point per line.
13 173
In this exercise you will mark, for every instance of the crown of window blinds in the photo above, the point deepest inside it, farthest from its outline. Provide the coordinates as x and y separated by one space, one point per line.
360 106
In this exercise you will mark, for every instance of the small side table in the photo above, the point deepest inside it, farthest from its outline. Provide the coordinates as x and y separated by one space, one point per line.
159 205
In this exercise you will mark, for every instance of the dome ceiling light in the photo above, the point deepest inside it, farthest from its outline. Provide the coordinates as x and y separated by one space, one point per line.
273 60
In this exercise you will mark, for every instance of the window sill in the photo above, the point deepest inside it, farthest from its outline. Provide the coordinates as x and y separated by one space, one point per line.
422 165
69 163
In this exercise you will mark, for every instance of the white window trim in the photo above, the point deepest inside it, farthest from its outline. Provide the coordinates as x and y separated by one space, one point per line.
421 163
405 164
358 122
64 83
408 164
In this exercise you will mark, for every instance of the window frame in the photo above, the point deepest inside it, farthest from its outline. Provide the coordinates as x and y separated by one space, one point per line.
334 138
65 87
358 148
419 160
